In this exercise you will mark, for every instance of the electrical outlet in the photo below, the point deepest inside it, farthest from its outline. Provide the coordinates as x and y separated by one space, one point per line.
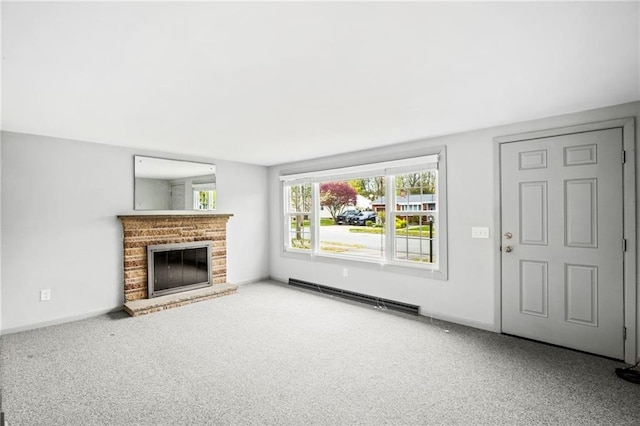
479 232
345 272
45 294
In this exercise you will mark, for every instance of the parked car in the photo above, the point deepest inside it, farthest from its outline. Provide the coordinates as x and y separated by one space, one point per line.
345 216
363 218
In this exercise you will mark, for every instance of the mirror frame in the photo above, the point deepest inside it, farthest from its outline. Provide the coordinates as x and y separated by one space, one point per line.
167 184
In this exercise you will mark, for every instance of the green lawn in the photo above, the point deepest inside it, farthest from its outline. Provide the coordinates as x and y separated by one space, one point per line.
412 231
329 246
325 221
366 230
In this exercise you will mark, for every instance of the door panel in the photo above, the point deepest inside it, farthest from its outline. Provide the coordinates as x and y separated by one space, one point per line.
533 213
581 294
562 259
534 288
581 207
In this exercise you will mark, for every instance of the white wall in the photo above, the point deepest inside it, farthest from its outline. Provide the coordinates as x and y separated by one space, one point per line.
152 194
470 294
0 259
242 189
1 137
60 199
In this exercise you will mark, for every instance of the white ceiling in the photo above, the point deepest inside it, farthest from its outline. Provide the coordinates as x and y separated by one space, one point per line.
270 83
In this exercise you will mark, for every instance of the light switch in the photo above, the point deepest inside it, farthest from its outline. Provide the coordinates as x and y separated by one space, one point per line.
477 232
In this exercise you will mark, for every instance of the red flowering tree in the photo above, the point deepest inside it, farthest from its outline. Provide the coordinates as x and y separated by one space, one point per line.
335 196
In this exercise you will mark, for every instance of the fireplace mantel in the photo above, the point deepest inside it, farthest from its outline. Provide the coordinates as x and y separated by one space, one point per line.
152 228
175 214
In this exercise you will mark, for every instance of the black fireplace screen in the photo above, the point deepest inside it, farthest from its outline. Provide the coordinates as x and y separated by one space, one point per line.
178 270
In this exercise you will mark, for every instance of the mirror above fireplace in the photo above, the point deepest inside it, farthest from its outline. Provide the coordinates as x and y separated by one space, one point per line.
165 184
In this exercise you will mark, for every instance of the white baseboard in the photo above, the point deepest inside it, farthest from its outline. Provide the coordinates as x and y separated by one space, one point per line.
256 280
449 318
59 321
280 280
461 321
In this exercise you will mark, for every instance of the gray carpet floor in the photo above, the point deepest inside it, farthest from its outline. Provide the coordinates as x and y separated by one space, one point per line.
276 355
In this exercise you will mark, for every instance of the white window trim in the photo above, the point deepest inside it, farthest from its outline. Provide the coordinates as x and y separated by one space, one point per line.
286 220
196 203
372 168
431 155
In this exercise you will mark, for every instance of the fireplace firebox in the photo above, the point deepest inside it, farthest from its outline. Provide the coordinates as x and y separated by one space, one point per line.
174 268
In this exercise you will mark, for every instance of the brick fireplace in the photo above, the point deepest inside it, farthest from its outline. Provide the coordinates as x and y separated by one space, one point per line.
140 231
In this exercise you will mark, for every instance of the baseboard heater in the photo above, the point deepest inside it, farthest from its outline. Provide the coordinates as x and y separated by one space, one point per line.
358 297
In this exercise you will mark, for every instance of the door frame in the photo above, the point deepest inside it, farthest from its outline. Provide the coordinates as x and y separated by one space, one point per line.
629 219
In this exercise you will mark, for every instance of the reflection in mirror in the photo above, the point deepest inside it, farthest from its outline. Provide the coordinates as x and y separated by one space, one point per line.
163 184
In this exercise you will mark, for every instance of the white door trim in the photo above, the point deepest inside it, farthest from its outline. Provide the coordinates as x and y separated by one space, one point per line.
629 205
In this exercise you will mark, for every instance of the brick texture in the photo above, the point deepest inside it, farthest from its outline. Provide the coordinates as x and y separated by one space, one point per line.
147 306
139 231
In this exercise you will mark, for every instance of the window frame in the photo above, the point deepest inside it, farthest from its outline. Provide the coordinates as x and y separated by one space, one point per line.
439 270
212 198
392 213
288 214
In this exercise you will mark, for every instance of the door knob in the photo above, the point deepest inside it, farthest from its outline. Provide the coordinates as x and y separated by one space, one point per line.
508 235
508 249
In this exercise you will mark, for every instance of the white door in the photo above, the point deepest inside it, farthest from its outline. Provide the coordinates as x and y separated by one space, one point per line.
562 242
177 197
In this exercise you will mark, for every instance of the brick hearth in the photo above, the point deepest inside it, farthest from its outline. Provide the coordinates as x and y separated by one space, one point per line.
143 230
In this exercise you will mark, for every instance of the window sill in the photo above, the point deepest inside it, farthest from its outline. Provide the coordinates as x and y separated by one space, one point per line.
394 268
